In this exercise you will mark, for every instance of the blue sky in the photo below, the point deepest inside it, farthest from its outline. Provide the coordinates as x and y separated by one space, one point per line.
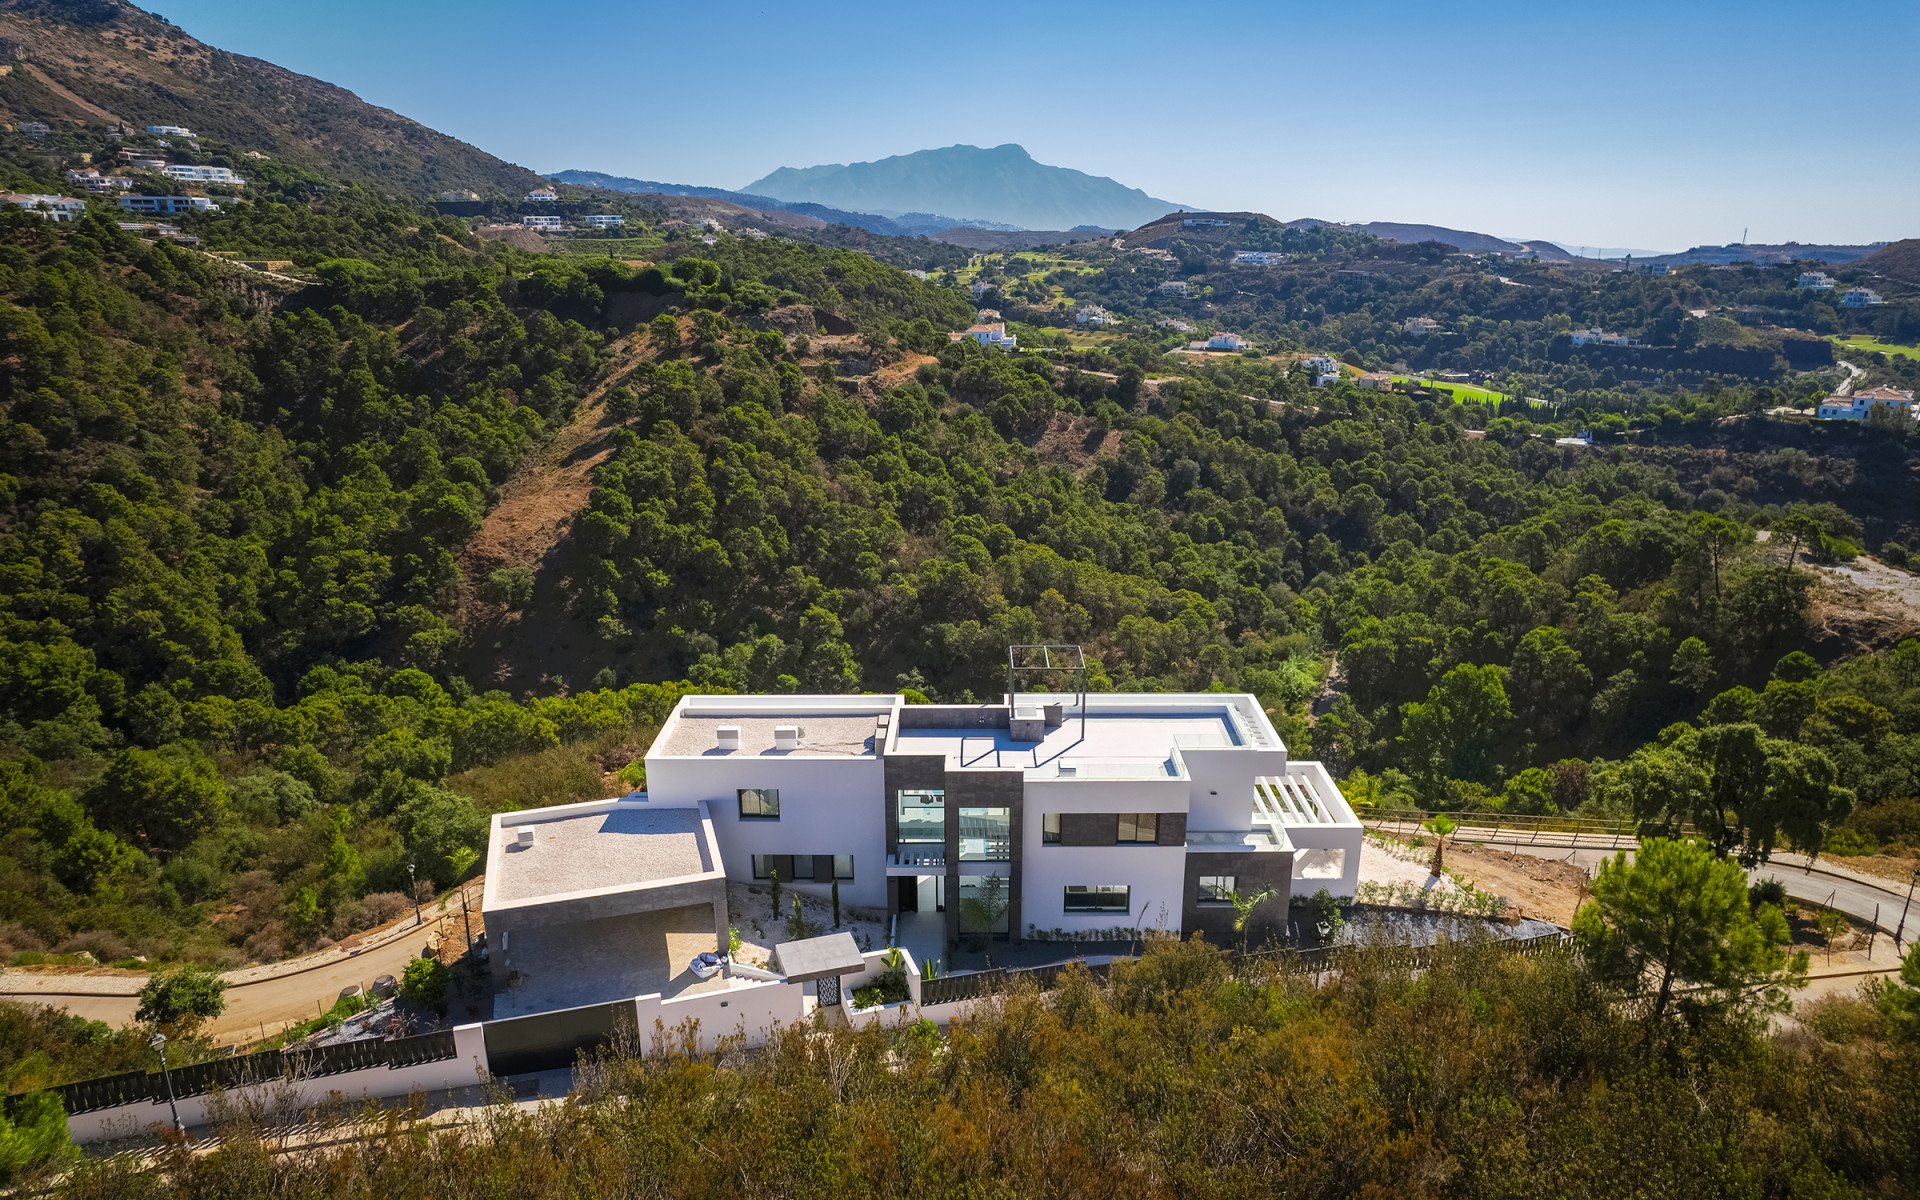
1626 124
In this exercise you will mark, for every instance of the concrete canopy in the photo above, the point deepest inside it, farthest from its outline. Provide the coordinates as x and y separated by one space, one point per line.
835 955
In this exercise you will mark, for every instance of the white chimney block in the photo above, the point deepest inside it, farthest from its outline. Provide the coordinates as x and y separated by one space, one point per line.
524 835
727 737
787 737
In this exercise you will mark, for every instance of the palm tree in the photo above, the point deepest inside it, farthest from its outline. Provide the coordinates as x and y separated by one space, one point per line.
1440 826
1243 906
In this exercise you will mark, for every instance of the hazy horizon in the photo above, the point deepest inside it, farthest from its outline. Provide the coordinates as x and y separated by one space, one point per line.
1665 128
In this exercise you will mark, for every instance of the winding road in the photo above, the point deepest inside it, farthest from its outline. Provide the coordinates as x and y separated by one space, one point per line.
259 1000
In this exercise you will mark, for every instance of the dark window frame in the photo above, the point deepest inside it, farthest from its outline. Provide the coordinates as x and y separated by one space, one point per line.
1122 890
760 797
1220 895
1050 829
1133 821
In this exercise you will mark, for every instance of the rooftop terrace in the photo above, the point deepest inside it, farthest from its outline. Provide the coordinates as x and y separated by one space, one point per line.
580 852
828 735
1134 744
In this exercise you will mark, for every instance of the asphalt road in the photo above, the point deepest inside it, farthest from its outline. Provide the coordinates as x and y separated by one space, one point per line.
251 1007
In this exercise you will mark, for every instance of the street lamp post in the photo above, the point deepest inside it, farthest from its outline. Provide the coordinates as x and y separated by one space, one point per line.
414 886
1903 909
159 1042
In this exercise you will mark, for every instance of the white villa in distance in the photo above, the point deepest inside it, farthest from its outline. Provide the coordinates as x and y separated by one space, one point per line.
994 334
1857 406
1815 281
604 221
1419 326
1861 298
1259 258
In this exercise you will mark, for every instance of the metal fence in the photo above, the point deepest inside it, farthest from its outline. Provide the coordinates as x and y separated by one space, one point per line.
1593 832
197 1079
972 985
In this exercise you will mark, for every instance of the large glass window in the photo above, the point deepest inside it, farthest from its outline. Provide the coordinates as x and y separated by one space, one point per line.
760 803
843 866
1216 889
986 834
923 815
984 903
1139 827
1101 898
762 866
1050 828
803 867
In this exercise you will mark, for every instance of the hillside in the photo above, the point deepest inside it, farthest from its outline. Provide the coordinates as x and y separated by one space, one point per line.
105 61
1003 184
1899 262
1755 252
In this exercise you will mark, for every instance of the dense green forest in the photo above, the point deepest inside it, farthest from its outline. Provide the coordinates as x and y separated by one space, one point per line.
1484 1075
237 611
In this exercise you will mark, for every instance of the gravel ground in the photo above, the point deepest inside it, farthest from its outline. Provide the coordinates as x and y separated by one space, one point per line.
749 908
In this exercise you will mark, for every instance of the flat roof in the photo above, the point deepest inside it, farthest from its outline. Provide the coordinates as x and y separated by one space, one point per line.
578 852
1142 737
819 957
825 735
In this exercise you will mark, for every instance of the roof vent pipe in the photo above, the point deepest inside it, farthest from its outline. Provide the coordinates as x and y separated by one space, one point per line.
727 737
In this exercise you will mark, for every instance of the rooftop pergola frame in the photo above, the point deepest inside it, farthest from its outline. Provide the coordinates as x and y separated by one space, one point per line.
1051 660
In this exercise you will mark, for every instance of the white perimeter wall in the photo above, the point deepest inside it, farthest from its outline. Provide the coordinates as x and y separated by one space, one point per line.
1157 874
467 1067
827 806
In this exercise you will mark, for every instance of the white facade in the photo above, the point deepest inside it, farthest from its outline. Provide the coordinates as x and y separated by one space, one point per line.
94 181
1092 316
173 130
1857 406
1600 337
54 208
1227 341
550 223
195 174
1205 223
542 196
1817 281
604 221
1176 286
1860 298
1136 797
1259 258
1419 326
166 206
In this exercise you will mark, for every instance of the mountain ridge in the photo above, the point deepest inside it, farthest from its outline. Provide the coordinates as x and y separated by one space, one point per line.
1002 184
912 224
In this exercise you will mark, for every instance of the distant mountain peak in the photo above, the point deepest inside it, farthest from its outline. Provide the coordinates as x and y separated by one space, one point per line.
1001 184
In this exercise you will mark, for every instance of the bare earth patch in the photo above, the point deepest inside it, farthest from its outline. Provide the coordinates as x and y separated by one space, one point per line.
1073 444
1540 887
